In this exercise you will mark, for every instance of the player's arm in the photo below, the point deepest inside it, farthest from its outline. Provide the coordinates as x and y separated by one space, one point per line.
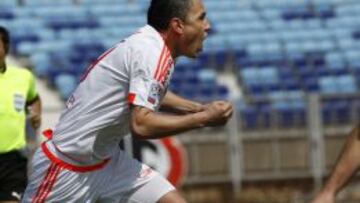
148 124
176 104
33 104
347 165
34 112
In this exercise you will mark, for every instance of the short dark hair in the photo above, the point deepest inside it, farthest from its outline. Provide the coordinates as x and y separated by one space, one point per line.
5 38
160 12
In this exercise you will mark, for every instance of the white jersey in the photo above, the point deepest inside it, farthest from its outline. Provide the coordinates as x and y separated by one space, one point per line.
137 70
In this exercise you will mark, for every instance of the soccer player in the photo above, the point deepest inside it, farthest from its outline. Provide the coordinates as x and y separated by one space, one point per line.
347 165
121 92
18 98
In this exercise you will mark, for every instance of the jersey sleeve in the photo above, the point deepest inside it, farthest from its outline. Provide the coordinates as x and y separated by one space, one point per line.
32 93
145 89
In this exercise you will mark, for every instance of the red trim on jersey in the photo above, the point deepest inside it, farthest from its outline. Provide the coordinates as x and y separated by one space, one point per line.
93 64
166 69
164 64
47 184
71 167
158 67
131 98
48 133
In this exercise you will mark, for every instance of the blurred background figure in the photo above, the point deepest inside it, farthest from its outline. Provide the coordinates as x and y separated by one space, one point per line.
346 167
18 99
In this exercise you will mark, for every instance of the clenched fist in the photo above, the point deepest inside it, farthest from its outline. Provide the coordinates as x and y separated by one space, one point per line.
218 113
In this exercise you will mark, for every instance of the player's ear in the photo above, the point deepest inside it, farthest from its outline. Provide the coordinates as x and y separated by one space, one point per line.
177 25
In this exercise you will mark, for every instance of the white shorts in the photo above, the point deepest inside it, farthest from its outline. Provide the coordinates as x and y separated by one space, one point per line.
120 179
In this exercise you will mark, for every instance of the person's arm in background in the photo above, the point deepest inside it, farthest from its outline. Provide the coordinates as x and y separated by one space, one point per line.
148 124
345 168
34 112
179 105
33 104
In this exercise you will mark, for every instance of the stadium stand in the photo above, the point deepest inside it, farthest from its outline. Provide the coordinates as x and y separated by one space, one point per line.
278 50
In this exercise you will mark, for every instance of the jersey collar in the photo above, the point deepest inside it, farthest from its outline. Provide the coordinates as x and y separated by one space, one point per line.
155 33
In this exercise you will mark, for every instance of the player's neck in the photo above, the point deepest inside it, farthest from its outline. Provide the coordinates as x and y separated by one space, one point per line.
169 43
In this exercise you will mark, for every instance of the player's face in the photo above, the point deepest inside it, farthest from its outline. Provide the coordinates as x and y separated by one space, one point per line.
196 27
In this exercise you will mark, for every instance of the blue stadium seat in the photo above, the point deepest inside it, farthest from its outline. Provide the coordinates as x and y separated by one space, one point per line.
52 46
297 58
347 84
294 48
6 13
256 90
291 117
306 73
346 10
66 84
253 117
187 91
115 10
314 24
291 85
346 43
47 2
335 111
213 6
8 4
324 11
207 76
329 2
250 76
298 12
91 2
40 63
268 75
290 107
278 25
311 85
71 23
335 60
353 58
270 14
328 85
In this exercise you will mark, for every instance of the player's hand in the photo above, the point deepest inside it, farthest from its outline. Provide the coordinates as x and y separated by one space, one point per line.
218 113
324 198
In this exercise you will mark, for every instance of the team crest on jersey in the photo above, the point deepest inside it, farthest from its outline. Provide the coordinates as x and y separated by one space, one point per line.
155 93
19 102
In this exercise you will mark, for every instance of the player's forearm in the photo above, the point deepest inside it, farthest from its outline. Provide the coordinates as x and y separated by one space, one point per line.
34 109
177 104
347 165
146 124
